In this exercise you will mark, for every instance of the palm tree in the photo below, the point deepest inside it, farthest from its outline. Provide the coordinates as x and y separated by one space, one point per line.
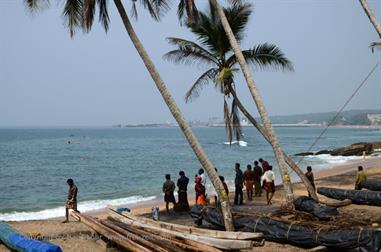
371 17
375 23
215 53
258 101
80 14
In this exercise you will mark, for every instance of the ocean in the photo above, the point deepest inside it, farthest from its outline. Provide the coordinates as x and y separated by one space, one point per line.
122 166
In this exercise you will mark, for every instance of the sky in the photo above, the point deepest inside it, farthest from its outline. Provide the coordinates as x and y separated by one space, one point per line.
98 79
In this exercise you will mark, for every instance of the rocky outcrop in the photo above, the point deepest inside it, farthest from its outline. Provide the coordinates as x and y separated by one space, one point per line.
323 152
304 154
356 149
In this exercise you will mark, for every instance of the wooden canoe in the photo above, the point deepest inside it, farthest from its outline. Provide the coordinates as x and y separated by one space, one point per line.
193 230
109 233
210 241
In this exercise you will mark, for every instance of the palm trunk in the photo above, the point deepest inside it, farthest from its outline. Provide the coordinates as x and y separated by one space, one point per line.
258 101
371 16
187 131
288 160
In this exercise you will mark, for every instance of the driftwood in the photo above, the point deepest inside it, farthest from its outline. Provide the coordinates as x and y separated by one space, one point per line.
193 230
134 237
166 242
109 233
172 241
210 241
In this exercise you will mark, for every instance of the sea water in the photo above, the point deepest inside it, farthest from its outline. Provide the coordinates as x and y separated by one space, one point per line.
122 166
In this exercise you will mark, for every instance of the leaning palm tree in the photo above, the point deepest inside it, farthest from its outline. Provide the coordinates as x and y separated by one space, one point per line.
79 14
375 23
371 17
213 51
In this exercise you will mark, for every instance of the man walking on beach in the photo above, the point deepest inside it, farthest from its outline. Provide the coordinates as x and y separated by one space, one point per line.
310 176
268 179
168 189
360 177
71 202
238 181
182 184
257 179
248 177
265 165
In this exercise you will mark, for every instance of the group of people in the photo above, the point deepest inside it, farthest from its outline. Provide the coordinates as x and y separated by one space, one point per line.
254 179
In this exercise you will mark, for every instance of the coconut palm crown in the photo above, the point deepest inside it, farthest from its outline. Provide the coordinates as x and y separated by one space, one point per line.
213 52
80 14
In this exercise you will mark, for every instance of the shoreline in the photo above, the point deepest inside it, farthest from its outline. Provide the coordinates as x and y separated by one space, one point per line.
145 206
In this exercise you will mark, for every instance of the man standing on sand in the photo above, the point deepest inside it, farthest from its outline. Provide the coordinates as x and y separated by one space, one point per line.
248 177
360 177
71 202
310 176
168 189
257 179
268 179
182 184
238 181
265 165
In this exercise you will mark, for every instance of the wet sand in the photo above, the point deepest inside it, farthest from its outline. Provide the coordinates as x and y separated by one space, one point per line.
75 236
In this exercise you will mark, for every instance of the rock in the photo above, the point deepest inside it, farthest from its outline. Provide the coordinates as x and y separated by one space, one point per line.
356 149
304 154
323 152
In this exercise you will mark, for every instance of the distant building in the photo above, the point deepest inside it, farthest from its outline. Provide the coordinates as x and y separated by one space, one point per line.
375 119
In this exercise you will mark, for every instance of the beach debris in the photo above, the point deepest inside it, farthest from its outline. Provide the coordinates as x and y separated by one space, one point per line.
373 185
365 197
136 233
213 238
307 236
309 205
18 242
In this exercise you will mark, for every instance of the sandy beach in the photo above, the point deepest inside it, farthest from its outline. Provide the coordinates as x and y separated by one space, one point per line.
75 236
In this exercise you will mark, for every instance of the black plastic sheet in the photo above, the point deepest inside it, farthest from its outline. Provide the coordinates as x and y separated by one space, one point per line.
367 240
373 185
309 205
364 197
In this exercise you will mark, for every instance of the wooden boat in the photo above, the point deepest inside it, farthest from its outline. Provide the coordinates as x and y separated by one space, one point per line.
192 230
207 240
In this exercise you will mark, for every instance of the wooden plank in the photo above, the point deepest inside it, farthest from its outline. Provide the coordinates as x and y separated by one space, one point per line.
186 244
211 241
134 237
169 242
193 230
109 233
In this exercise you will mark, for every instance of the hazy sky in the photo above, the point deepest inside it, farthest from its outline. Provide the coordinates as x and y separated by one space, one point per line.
46 78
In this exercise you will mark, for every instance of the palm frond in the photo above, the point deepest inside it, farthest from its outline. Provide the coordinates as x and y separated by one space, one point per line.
156 8
189 53
103 14
35 6
72 14
202 81
228 120
88 14
237 129
375 45
265 56
238 17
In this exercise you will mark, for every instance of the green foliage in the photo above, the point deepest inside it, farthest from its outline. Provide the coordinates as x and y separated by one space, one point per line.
79 14
213 52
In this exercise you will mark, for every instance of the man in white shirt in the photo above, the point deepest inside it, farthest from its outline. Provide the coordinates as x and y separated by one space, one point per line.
268 179
201 173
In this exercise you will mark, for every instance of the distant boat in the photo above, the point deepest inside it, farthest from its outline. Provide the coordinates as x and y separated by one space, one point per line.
240 143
